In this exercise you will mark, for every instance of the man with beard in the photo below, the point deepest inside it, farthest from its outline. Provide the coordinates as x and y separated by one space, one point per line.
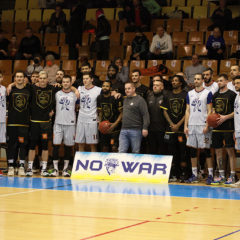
209 83
141 89
117 86
157 120
109 109
174 106
222 135
59 76
234 72
86 68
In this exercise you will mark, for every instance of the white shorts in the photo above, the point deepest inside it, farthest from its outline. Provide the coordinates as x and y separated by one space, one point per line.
197 139
87 133
237 143
3 132
65 133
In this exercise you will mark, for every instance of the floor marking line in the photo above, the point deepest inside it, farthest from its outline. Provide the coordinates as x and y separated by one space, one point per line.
227 235
115 230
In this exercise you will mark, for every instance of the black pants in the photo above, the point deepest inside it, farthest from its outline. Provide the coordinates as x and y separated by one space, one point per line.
156 142
103 49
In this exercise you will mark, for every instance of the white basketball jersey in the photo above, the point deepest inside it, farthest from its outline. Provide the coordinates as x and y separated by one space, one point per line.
65 108
237 115
198 106
88 103
213 88
231 87
2 104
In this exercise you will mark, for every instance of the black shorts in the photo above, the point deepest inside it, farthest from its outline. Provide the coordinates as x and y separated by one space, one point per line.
108 140
17 134
40 131
222 139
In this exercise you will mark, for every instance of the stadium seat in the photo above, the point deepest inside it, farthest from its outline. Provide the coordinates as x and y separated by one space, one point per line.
195 38
7 27
136 64
230 37
47 15
187 10
69 66
204 23
7 79
173 25
212 64
21 15
153 63
212 8
149 36
33 4
184 51
6 66
115 39
35 26
64 52
235 10
179 38
7 16
186 63
67 12
50 39
102 66
122 25
117 11
204 2
20 27
145 80
50 48
35 15
127 38
20 65
85 39
167 10
116 51
234 49
174 65
83 51
20 4
200 50
193 3
156 23
190 25
225 65
114 25
62 39
128 52
177 3
200 12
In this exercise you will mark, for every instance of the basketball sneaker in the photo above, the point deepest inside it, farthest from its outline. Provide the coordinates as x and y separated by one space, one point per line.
209 180
66 173
192 179
29 172
1 172
231 180
21 171
235 185
44 173
54 173
218 181
11 171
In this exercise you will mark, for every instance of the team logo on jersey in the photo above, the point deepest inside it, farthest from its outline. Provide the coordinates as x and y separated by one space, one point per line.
236 107
86 101
44 98
20 101
65 102
107 111
111 165
196 103
2 101
221 105
176 106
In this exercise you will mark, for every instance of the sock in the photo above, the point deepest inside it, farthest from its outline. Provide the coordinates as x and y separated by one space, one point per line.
30 164
22 162
10 162
41 163
44 165
233 173
66 162
55 164
194 171
210 172
222 173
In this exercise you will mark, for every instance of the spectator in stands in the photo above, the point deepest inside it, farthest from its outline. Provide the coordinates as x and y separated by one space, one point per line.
234 72
137 16
140 46
153 7
161 46
51 68
75 29
13 47
195 68
57 22
215 45
123 71
35 65
3 46
102 35
222 17
30 45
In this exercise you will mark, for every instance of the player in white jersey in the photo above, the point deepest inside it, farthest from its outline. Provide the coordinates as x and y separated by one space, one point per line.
64 125
209 83
195 127
234 72
87 129
2 111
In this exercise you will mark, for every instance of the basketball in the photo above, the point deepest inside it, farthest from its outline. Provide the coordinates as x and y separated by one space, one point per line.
104 126
213 119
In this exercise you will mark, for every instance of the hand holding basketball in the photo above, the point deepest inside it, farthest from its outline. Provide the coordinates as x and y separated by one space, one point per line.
213 119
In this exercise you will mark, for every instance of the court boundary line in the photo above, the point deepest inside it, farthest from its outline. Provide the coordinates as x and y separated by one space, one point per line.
227 235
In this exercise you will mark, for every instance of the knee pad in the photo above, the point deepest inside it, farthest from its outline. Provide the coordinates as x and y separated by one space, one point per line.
207 153
193 152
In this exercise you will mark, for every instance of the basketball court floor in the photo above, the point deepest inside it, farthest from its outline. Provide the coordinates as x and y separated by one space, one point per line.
49 209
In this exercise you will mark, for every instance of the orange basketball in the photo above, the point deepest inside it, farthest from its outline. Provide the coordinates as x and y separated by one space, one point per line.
104 126
213 119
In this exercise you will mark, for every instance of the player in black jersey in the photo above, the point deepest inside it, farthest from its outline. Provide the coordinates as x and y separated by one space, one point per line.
141 89
222 135
18 122
174 105
109 109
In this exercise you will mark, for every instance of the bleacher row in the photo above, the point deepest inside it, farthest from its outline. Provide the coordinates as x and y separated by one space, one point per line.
70 66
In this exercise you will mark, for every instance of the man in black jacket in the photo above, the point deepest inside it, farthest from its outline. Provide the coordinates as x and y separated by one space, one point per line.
102 35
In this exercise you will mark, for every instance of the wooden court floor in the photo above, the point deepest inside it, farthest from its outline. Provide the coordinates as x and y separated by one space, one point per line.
49 209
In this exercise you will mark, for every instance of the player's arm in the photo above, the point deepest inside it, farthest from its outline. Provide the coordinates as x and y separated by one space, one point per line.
75 91
187 113
165 114
113 125
209 110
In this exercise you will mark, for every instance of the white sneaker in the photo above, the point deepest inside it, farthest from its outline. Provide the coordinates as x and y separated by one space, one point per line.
44 173
21 171
54 173
235 185
29 172
11 171
66 173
